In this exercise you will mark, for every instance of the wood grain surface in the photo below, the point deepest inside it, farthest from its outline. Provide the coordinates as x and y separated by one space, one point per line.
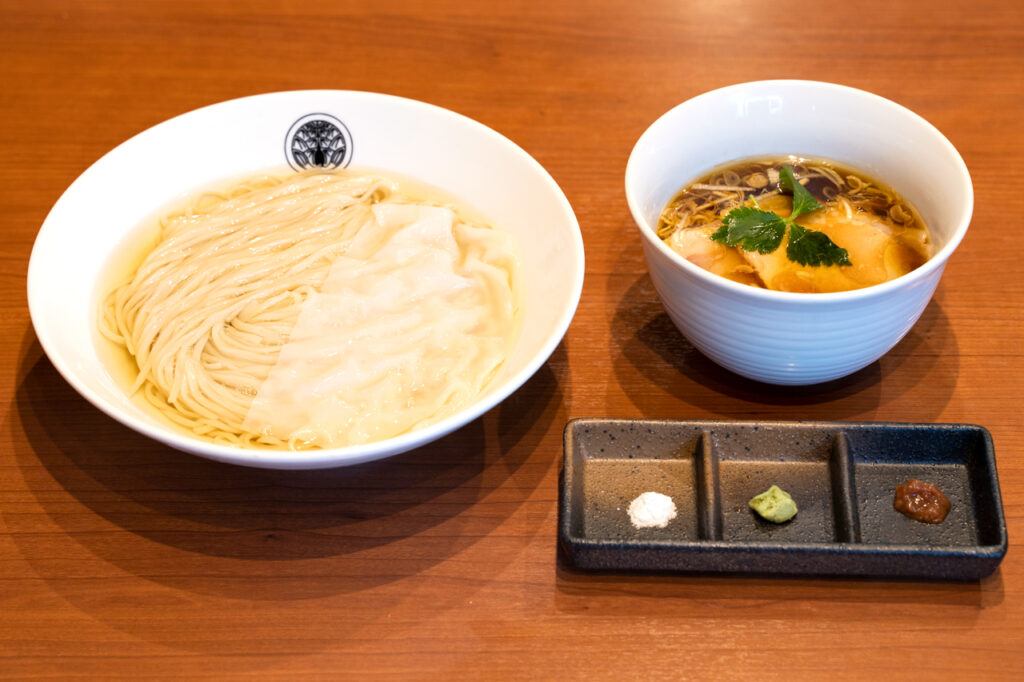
120 558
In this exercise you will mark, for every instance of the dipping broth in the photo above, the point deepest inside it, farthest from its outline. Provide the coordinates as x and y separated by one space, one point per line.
881 232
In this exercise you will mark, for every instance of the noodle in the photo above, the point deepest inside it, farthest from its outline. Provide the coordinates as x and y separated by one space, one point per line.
213 308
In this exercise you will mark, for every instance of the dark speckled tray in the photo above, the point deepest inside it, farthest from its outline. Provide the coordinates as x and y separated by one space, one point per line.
842 475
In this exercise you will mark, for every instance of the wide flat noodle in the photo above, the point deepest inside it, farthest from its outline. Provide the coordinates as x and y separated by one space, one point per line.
409 325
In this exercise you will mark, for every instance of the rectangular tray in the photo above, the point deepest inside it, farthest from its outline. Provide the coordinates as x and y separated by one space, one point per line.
842 475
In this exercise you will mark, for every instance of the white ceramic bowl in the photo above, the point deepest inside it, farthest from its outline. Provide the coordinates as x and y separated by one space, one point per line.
782 337
458 155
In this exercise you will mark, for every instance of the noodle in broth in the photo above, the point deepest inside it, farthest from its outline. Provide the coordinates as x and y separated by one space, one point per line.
318 310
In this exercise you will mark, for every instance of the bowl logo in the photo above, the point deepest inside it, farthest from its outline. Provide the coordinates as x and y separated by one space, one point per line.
318 141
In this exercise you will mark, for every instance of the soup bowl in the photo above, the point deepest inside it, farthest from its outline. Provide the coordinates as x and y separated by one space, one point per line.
780 337
462 158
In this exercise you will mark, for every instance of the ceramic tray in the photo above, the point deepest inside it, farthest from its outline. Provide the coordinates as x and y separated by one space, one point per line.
843 476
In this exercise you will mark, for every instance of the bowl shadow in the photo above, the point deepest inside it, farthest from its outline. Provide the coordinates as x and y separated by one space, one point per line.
411 511
648 350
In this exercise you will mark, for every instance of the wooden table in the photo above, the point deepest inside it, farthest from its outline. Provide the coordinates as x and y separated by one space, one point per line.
122 558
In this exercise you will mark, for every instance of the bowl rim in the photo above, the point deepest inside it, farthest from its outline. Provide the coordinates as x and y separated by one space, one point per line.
936 262
325 457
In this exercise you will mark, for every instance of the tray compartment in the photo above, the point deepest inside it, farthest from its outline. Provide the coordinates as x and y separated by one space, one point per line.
615 463
797 460
952 459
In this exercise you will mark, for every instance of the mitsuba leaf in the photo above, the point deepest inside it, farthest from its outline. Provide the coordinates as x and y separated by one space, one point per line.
754 229
810 247
751 229
803 201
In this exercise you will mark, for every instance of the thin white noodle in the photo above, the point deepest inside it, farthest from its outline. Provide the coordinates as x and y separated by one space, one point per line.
206 314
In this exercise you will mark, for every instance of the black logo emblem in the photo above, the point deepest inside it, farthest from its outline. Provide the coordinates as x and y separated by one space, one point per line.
318 141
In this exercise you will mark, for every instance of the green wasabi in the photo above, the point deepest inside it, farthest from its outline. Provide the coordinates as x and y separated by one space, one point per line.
774 505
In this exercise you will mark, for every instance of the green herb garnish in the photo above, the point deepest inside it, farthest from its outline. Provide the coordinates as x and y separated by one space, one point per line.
803 201
810 247
754 229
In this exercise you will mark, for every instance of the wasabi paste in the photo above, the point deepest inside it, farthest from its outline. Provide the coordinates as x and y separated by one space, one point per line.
774 505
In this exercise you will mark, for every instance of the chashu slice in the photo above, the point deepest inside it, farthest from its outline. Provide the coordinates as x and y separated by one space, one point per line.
879 251
695 245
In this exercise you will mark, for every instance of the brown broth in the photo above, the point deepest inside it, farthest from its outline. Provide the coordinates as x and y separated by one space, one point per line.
883 233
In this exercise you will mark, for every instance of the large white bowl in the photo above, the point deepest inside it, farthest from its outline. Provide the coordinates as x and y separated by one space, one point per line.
782 337
464 158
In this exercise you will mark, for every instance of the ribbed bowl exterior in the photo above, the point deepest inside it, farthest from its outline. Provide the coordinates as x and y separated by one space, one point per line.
786 342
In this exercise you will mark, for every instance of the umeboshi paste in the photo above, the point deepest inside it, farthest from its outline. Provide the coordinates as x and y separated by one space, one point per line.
921 501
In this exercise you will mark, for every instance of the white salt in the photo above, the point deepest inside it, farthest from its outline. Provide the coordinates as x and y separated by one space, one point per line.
652 510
